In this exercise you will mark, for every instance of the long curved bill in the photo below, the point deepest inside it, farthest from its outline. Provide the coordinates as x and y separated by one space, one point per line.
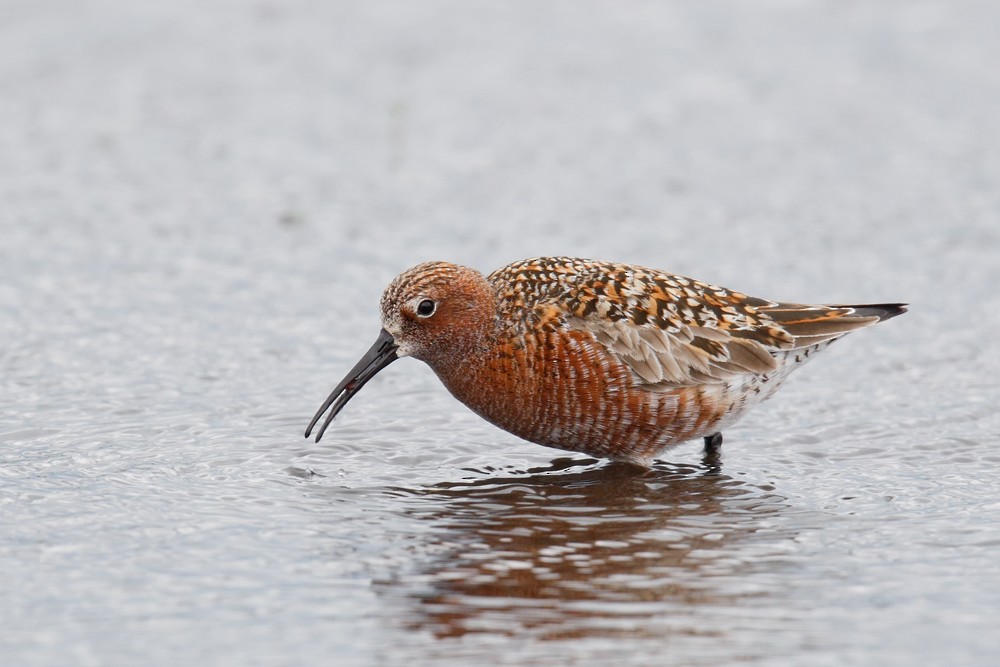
381 354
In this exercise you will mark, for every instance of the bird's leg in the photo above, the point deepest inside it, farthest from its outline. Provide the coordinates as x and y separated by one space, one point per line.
713 442
712 458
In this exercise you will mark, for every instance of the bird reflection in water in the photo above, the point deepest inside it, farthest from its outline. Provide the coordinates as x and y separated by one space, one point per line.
573 550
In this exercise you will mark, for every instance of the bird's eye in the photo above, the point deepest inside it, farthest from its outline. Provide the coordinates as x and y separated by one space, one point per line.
426 308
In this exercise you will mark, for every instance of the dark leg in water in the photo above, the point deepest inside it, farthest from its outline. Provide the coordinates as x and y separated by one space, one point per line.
712 458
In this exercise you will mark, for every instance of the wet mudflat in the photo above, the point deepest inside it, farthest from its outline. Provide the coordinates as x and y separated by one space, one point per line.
202 204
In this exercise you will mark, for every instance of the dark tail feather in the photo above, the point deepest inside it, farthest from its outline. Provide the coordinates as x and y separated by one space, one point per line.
883 311
811 325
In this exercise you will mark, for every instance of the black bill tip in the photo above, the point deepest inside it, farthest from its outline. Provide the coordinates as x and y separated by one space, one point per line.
380 355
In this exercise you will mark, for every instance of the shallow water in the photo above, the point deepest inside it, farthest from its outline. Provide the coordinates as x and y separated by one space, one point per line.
201 206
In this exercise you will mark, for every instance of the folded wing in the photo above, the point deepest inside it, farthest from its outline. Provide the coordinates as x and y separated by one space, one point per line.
673 331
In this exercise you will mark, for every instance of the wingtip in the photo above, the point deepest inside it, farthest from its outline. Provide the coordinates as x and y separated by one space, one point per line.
883 311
